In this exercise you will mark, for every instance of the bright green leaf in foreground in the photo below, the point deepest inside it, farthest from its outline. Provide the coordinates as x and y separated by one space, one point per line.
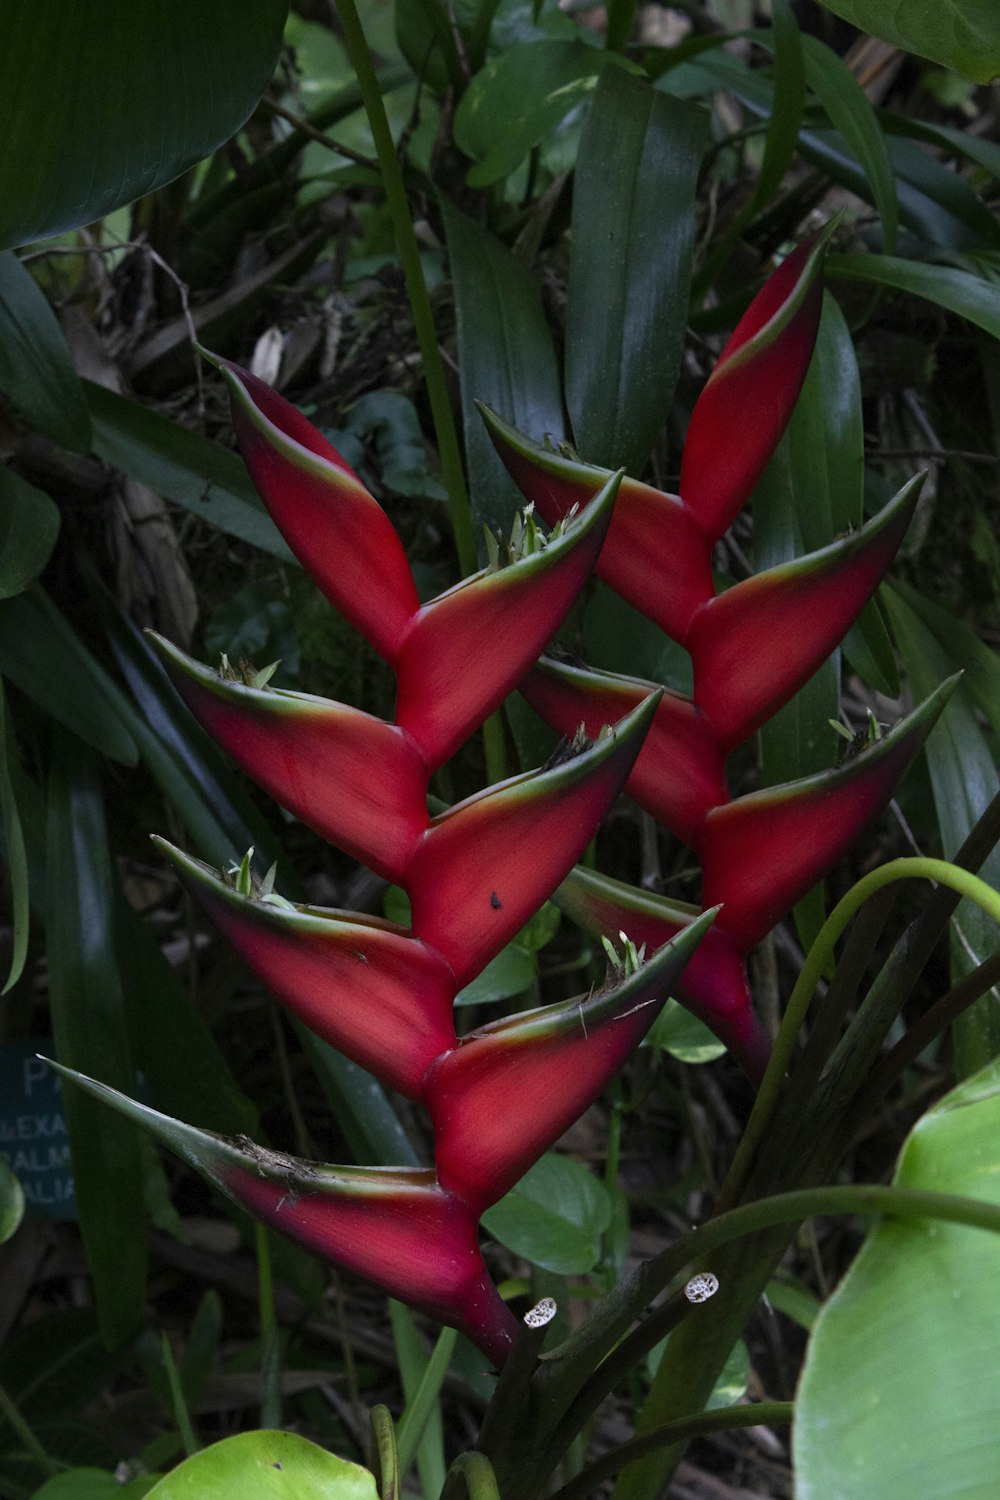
100 104
11 1202
961 34
899 1391
268 1466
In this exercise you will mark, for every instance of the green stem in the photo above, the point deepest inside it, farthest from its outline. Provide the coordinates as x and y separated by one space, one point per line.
817 960
757 1414
471 1474
181 1414
270 1357
621 14
9 1410
416 288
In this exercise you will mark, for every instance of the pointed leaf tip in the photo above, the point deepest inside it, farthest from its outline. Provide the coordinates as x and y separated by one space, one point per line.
339 532
511 1088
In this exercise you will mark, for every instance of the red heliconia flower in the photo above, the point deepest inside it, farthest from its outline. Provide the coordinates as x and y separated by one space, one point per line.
751 647
537 1072
395 1226
455 658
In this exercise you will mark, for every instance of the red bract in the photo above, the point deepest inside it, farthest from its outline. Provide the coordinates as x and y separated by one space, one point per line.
381 993
751 647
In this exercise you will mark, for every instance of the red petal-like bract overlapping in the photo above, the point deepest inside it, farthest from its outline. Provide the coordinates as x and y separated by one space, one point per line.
751 647
553 1062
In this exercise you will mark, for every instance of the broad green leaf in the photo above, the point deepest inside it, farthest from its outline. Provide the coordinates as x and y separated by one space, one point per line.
506 360
964 781
620 639
960 292
898 1394
961 34
11 1202
100 105
29 527
181 466
45 658
509 974
520 97
630 266
268 1466
980 665
89 1023
555 1217
36 371
678 1032
14 848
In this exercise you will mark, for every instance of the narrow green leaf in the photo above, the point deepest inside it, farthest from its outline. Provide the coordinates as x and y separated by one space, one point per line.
781 141
420 1430
963 781
36 371
17 857
506 360
959 291
848 108
182 466
898 1394
29 528
44 657
962 34
88 1018
630 268
68 157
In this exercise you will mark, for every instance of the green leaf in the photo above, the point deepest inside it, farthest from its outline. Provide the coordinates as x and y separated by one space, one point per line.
520 97
678 1032
960 292
17 857
36 372
268 1466
99 106
88 1019
506 360
29 527
848 108
11 1202
630 266
182 466
509 974
44 657
961 34
555 1217
898 1394
964 782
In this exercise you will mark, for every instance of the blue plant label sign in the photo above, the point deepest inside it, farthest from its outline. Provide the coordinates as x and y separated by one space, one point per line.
33 1137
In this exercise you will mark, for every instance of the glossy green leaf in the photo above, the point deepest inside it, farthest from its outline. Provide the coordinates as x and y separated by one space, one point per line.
44 657
962 34
678 1032
11 1202
182 466
848 108
69 158
960 292
630 266
29 527
14 848
964 781
898 1394
509 974
89 1023
268 1466
520 98
36 371
781 140
506 360
555 1217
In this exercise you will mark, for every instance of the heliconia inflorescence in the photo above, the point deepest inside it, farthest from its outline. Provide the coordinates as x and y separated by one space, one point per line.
384 994
381 993
751 647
